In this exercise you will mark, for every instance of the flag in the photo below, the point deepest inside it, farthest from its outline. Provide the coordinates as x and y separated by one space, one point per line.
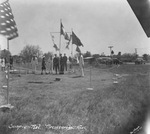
76 40
55 46
68 43
53 38
7 23
67 47
63 32
78 49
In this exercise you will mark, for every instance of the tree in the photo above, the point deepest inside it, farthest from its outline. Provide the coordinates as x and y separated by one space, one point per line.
119 55
29 51
87 54
145 57
5 54
47 55
96 56
128 57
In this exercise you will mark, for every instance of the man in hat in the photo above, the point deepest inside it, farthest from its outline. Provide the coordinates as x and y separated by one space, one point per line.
65 62
11 62
56 63
61 65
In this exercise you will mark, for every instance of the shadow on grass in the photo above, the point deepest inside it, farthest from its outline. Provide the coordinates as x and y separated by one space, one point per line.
79 76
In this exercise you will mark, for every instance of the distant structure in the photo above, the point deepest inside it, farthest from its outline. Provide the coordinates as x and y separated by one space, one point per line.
110 50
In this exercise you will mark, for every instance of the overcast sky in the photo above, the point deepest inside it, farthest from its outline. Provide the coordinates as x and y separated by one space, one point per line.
98 24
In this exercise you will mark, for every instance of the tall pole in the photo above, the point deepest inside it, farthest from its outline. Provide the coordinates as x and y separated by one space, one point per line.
71 45
7 74
60 44
60 38
90 88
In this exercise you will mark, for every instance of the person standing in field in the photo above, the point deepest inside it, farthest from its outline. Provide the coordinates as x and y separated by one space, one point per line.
34 63
65 62
81 64
43 65
61 65
11 62
70 62
3 64
50 63
56 63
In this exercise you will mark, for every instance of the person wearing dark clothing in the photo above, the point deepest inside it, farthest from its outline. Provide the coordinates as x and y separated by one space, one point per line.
70 62
11 61
56 63
43 65
3 64
65 62
61 65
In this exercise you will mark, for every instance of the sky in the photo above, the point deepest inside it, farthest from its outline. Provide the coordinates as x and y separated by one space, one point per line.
97 23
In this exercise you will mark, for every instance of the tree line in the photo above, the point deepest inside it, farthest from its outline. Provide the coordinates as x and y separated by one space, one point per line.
29 51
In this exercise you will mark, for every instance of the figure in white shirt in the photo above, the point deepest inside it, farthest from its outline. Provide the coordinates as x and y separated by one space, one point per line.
34 63
81 64
50 64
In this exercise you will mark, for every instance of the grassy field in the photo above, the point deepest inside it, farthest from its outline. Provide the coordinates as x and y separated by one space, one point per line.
52 105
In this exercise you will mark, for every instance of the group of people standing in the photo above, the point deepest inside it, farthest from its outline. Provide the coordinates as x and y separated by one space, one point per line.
6 62
58 64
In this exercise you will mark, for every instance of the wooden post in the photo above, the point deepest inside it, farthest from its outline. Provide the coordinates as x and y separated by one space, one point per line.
90 58
90 76
72 54
7 74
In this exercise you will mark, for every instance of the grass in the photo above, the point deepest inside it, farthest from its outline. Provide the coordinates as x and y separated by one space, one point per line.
108 109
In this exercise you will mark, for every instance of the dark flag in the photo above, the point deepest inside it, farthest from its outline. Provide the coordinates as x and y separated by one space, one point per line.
67 47
141 9
68 43
7 23
63 32
76 40
78 49
56 48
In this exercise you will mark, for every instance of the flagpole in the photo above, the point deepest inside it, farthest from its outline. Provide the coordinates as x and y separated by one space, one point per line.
71 46
60 43
7 74
72 51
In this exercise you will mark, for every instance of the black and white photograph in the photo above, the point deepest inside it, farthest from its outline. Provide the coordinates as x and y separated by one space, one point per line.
74 66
